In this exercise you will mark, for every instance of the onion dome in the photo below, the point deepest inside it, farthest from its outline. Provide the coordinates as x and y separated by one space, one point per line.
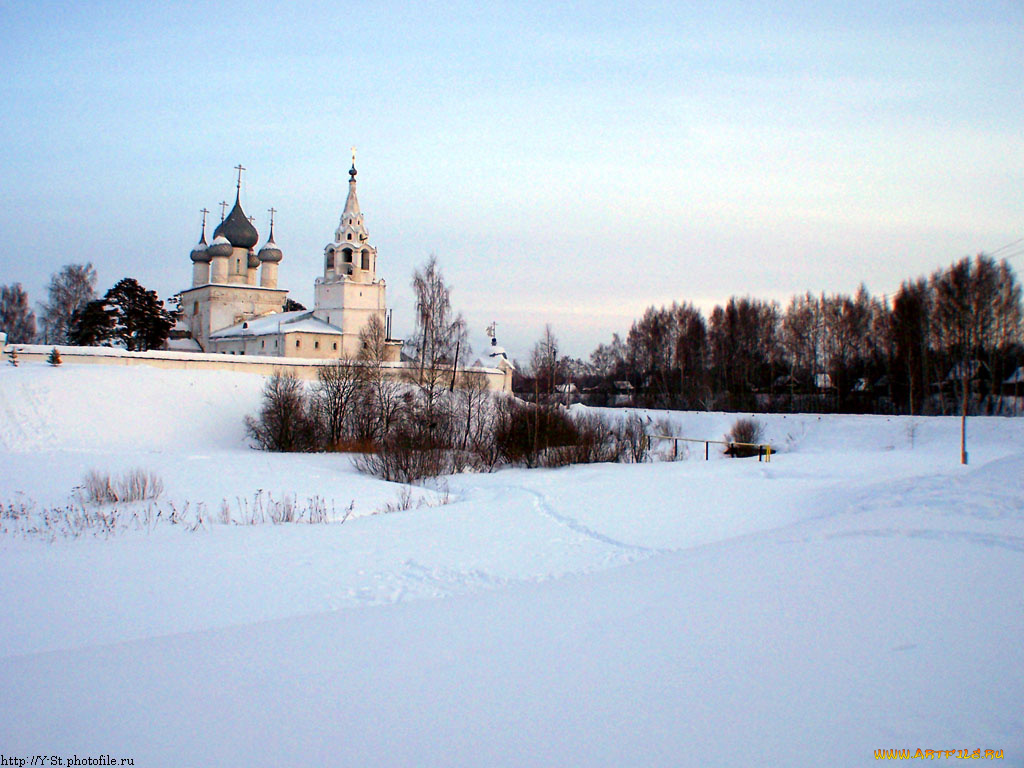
237 228
199 252
253 261
270 252
220 246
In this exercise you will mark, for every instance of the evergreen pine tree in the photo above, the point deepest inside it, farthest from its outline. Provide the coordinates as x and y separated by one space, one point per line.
54 358
140 320
92 324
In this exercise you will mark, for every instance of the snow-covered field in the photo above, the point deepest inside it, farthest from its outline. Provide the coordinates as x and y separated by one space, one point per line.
862 591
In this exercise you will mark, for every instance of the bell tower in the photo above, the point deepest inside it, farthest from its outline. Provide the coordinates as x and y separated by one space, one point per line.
349 292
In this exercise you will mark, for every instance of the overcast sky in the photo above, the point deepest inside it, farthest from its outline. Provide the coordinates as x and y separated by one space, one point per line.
569 163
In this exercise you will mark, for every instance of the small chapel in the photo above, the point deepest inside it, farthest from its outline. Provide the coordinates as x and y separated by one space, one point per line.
235 307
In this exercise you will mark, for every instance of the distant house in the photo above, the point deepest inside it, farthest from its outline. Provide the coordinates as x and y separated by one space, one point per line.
976 371
1014 384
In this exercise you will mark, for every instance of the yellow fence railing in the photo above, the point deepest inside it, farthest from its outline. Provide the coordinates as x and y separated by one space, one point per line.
764 450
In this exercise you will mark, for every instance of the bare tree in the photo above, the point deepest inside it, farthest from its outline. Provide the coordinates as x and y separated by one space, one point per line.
609 360
283 423
544 363
69 289
337 388
651 343
16 317
440 337
744 347
475 409
691 354
380 401
911 318
847 321
801 339
966 297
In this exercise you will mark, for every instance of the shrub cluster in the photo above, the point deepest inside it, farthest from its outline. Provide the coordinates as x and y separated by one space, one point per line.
406 432
744 438
546 435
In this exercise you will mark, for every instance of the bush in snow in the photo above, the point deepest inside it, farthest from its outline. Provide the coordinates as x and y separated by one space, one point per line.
285 422
744 430
544 435
635 444
412 451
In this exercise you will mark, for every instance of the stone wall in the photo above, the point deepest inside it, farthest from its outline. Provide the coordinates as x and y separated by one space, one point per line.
498 380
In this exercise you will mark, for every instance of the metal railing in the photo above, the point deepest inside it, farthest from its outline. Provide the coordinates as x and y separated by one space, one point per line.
764 450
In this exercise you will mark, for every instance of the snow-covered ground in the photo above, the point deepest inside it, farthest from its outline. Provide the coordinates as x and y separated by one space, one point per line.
862 591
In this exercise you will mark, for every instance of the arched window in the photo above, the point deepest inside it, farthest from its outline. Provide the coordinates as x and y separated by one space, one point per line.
346 255
366 260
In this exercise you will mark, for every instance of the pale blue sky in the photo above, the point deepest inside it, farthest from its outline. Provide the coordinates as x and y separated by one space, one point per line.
569 163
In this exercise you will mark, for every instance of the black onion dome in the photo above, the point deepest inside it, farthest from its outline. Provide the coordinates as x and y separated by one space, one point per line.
253 260
270 251
220 246
200 253
238 229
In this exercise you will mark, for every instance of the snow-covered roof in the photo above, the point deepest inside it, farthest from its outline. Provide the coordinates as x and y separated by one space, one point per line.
183 345
973 368
301 321
1017 377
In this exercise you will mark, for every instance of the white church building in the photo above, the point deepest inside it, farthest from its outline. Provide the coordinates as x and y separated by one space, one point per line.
233 318
235 307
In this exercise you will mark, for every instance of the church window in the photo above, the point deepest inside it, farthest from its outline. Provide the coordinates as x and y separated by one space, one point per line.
347 256
298 343
366 260
349 235
316 345
195 308
334 346
263 344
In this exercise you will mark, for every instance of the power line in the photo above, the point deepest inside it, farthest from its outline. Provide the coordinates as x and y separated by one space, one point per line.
1009 245
1013 255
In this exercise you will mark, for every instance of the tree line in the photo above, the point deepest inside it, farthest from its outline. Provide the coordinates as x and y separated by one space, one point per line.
941 340
438 418
128 315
